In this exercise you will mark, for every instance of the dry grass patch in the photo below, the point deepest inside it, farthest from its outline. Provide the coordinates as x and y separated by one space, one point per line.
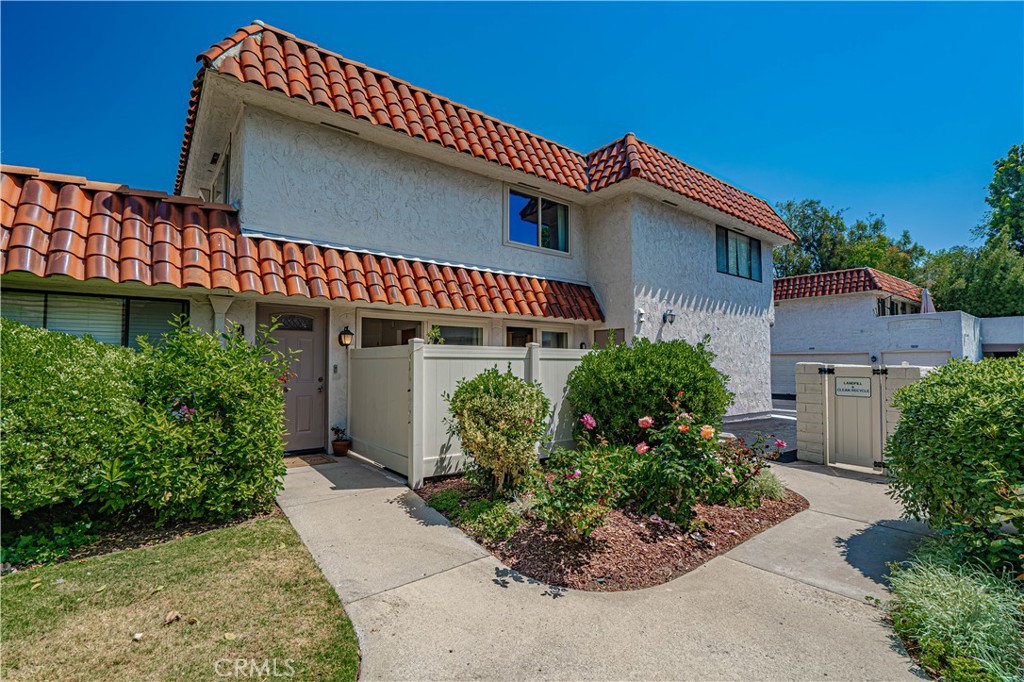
249 592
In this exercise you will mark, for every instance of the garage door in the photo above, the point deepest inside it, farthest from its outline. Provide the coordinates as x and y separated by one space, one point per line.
921 358
784 367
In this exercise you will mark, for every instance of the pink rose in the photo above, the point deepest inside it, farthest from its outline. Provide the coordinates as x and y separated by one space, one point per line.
779 443
589 423
642 448
685 416
645 422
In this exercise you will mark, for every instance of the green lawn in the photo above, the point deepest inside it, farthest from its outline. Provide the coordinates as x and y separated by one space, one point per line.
249 596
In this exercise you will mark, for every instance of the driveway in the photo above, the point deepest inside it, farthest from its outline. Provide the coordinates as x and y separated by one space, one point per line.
428 603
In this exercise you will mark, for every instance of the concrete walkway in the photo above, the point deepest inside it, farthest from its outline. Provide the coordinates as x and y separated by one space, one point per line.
428 603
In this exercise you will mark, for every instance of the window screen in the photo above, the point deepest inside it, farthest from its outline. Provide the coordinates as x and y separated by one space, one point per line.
98 317
151 319
554 339
462 336
24 306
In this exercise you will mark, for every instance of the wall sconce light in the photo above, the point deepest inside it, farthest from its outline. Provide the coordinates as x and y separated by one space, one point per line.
640 315
346 336
668 317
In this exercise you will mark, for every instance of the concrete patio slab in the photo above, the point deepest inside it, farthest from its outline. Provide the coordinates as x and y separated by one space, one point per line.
821 549
724 621
367 532
428 603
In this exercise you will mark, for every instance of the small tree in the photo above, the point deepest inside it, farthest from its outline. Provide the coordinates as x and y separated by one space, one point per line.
500 420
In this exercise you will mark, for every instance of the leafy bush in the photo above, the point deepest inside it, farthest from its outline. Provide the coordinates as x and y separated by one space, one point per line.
210 443
490 520
678 468
583 486
766 486
500 420
619 384
957 456
67 404
447 502
966 620
745 464
51 543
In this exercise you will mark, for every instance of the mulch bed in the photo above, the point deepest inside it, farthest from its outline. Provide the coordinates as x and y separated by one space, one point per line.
629 552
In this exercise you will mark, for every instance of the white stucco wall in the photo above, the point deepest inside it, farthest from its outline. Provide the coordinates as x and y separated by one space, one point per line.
313 182
674 266
610 268
848 324
1002 332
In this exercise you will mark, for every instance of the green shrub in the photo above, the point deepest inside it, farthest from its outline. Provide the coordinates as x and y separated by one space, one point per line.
490 520
967 620
957 456
447 502
766 486
500 420
67 405
619 384
583 486
210 443
51 543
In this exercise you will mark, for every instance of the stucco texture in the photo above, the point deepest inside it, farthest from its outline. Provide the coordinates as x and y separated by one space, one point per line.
312 182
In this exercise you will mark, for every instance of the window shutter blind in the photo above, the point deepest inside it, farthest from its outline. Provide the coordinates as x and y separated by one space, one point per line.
151 319
722 247
23 306
755 259
80 315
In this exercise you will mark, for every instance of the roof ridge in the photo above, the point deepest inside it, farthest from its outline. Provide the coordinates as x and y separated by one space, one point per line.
409 84
116 187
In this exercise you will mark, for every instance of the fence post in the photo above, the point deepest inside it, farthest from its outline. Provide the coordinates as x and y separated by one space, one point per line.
416 409
532 370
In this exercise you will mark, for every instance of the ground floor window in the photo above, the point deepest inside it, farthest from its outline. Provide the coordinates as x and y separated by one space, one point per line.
377 332
461 336
116 320
554 339
609 337
518 337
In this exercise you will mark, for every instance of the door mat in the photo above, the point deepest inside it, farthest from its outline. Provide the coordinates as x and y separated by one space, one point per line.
306 460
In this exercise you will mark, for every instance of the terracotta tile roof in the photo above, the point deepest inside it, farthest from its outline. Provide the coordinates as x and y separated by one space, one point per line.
633 158
278 61
65 225
844 282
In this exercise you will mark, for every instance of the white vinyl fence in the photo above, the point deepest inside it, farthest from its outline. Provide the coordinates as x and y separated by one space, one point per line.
397 412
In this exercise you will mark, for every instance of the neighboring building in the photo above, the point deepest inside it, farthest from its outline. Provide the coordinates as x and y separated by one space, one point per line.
865 316
331 194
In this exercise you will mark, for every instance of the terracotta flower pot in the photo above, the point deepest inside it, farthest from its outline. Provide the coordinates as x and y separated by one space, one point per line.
340 447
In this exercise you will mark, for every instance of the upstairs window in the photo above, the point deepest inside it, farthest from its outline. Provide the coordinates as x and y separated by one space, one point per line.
536 221
738 254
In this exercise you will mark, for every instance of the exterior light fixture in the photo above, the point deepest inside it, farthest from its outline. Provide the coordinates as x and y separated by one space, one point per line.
640 316
346 336
668 317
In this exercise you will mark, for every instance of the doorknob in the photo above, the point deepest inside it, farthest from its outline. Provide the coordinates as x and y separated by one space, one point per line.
319 389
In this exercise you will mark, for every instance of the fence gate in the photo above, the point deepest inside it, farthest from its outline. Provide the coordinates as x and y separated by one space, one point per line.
854 396
845 413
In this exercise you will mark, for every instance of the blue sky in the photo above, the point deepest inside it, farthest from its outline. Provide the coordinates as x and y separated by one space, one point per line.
894 109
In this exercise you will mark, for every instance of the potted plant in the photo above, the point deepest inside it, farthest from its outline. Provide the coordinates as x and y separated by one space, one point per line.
341 442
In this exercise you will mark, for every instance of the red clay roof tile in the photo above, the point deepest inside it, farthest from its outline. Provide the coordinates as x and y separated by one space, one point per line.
276 60
851 281
89 232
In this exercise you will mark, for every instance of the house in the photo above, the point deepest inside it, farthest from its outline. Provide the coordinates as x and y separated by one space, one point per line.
334 197
864 316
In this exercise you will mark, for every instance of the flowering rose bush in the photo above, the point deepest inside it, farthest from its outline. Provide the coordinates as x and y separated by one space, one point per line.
580 490
743 463
500 420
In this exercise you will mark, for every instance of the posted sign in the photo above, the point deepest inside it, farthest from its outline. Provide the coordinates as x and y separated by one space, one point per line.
859 387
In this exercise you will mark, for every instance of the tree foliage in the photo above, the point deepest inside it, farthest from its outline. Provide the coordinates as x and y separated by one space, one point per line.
1006 200
828 243
986 282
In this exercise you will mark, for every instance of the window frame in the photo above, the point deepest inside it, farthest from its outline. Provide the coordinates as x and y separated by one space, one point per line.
538 331
507 217
125 305
719 230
